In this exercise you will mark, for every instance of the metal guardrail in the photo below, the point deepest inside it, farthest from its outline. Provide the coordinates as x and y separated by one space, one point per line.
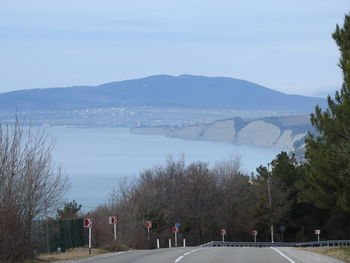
329 243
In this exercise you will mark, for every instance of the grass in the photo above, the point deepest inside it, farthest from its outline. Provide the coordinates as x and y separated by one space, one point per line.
342 253
73 254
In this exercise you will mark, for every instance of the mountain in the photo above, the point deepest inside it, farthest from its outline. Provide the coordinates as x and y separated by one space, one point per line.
185 91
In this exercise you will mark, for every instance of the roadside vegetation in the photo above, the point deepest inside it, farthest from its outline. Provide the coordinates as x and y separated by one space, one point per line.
342 253
31 185
73 254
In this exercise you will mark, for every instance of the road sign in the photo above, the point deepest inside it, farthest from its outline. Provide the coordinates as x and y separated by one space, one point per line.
177 224
148 224
87 222
318 232
254 234
222 232
175 229
112 220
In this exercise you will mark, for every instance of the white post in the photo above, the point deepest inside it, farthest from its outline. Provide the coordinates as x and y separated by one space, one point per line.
115 231
90 240
254 239
184 242
318 237
272 234
158 246
223 238
169 242
148 233
175 239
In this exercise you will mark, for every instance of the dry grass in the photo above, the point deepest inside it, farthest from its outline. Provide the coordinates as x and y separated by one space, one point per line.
342 253
73 254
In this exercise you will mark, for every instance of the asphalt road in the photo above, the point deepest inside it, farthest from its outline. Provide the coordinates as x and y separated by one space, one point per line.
212 255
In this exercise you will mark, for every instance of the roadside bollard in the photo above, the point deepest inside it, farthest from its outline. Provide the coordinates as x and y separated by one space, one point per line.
158 243
184 242
169 243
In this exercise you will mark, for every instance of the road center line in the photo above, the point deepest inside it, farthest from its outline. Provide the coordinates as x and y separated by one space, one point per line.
178 259
283 255
187 253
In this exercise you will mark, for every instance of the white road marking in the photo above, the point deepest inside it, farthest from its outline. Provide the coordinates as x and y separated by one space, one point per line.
283 255
186 254
178 259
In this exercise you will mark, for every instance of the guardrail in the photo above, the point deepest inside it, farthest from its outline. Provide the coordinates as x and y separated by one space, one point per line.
328 243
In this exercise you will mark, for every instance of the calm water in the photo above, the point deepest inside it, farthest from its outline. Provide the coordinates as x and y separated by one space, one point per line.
95 159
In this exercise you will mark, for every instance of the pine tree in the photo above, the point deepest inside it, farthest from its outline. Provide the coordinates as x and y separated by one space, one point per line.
69 211
328 154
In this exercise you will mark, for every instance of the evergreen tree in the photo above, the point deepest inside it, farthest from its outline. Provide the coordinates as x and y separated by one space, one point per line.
328 154
69 211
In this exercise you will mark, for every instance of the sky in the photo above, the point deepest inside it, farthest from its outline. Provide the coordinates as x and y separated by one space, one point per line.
283 45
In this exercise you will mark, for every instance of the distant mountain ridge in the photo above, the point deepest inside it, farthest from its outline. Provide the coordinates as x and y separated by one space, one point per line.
184 91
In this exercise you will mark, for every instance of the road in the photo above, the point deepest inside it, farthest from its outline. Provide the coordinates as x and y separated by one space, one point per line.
212 255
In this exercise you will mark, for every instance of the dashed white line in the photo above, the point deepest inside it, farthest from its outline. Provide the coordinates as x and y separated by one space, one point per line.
187 253
283 255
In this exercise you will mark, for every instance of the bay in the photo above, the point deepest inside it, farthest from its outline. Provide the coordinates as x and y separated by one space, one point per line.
96 159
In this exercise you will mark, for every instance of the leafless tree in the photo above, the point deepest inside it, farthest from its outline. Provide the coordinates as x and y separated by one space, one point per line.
201 198
30 185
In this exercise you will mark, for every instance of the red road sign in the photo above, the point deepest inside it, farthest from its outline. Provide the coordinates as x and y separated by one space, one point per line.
317 232
148 224
222 232
112 220
175 229
254 233
87 222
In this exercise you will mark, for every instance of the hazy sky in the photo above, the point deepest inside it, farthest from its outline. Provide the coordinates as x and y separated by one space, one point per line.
284 45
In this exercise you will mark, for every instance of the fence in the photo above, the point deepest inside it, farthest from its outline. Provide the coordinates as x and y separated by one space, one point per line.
49 235
329 243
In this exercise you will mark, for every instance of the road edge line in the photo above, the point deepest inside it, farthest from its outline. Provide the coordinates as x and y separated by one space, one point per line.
178 259
283 255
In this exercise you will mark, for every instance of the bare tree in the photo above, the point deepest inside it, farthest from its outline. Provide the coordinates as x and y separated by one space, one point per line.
30 185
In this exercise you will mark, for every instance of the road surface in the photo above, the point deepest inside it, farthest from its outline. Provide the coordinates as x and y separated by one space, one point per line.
212 255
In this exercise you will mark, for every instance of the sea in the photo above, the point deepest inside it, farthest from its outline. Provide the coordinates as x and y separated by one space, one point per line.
97 160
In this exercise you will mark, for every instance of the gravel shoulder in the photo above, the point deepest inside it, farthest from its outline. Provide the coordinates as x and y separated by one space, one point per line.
302 256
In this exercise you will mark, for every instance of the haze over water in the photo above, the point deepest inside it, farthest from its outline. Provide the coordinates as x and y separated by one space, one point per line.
96 159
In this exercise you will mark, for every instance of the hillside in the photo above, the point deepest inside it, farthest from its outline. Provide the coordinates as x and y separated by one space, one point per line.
185 91
285 132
